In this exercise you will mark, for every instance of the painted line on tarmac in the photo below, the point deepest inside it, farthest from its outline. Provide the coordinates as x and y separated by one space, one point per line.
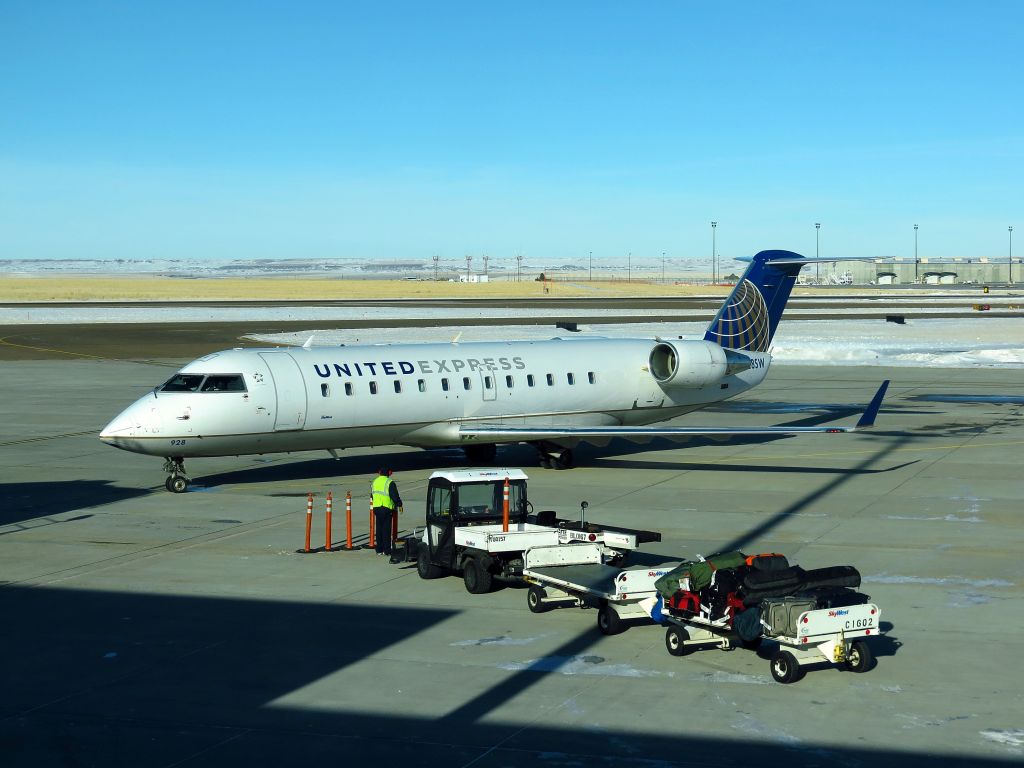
4 341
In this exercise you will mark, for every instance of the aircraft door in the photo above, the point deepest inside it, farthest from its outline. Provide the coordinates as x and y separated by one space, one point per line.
440 529
489 384
290 389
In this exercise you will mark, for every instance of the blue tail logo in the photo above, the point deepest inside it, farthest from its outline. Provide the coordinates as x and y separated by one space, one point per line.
749 317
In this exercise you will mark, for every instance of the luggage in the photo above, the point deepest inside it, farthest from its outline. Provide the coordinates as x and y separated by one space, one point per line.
768 562
694 575
684 602
836 576
835 597
716 595
747 624
760 581
779 614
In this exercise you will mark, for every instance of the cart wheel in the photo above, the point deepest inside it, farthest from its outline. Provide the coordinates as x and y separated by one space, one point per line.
535 599
425 568
476 577
785 668
608 621
859 659
675 641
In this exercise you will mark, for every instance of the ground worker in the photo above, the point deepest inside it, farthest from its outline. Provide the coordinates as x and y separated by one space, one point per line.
386 500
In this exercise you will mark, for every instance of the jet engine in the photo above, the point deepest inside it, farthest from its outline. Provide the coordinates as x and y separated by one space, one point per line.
693 364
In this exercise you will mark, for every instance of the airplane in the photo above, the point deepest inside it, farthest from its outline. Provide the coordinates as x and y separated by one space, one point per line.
552 394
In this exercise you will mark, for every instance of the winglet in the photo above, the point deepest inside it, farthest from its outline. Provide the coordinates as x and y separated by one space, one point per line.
868 417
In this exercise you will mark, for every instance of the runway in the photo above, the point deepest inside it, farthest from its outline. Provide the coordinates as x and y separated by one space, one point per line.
144 628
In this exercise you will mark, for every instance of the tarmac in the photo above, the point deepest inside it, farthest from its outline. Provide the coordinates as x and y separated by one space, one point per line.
144 628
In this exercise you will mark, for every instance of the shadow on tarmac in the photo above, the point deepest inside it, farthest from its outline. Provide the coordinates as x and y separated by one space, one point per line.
31 501
115 678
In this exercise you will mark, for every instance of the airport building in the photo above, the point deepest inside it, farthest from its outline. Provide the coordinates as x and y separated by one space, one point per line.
904 271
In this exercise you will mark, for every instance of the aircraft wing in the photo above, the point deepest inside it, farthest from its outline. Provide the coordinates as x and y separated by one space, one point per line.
485 431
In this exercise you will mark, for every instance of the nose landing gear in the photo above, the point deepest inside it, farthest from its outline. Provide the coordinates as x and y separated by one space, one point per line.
177 481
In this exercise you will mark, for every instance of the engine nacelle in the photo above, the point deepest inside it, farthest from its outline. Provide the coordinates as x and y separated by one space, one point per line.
693 364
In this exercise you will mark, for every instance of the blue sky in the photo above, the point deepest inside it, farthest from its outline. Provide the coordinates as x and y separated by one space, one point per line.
401 130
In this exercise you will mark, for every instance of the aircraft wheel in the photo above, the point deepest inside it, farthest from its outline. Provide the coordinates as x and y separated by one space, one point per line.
177 483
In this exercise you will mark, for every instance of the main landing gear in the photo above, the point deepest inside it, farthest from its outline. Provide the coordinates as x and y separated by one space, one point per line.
177 481
552 456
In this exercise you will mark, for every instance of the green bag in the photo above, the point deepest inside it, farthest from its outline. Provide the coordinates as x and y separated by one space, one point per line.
697 573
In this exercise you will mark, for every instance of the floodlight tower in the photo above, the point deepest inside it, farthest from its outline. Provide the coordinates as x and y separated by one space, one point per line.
519 267
714 256
915 253
469 266
1009 263
436 259
486 259
817 252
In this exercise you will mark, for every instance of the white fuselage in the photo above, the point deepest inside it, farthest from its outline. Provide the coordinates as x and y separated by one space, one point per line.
301 399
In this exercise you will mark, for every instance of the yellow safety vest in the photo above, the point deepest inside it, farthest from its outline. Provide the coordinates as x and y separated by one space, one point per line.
382 492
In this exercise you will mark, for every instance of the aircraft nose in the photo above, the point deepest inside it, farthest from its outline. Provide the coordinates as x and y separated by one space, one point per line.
140 418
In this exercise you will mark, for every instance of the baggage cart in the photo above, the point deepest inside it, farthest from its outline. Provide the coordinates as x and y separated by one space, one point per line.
832 635
578 575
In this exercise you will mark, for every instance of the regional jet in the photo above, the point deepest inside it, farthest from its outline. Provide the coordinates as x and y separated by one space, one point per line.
552 394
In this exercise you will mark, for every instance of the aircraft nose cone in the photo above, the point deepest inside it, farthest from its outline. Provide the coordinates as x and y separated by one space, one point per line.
138 420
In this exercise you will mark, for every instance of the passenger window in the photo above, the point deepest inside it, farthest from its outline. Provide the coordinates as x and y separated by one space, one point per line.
373 387
551 380
466 383
508 382
223 383
325 390
570 378
488 383
591 377
348 387
444 384
529 380
422 385
398 386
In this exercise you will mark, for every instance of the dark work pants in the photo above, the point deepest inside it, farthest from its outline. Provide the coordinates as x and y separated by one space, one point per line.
382 524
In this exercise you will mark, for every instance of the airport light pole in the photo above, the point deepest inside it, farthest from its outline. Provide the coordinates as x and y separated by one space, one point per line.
436 259
817 251
469 266
663 267
915 253
591 266
486 259
1009 263
714 257
519 267
629 267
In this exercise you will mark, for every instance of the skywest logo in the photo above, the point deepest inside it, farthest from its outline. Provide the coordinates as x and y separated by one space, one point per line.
396 368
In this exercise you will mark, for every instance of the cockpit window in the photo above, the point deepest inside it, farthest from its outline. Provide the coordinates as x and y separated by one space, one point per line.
224 382
183 382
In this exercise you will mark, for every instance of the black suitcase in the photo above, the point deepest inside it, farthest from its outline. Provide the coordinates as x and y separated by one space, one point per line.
835 597
836 576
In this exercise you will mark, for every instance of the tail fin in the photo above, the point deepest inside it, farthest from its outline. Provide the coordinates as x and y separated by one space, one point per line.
749 317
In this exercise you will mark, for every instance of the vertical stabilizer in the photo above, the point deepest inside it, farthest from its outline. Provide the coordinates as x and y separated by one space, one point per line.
749 317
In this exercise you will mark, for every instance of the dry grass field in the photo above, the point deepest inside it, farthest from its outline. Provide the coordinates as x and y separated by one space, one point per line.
148 288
